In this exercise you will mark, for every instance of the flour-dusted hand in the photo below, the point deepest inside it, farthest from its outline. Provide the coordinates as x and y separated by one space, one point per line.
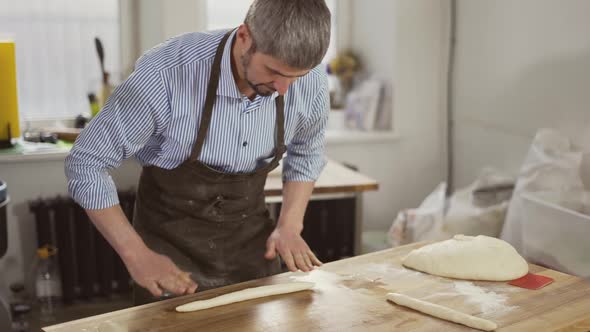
287 241
157 273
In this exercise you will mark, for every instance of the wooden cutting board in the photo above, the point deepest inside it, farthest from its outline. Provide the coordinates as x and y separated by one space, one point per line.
350 296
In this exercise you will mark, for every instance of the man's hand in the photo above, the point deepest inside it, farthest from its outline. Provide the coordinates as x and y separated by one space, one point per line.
157 273
149 269
287 241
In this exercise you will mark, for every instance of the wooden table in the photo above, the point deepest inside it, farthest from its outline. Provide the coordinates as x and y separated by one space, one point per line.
334 179
350 296
344 188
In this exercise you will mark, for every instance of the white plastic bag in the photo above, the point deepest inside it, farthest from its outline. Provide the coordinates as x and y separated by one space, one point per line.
423 223
472 214
439 218
552 164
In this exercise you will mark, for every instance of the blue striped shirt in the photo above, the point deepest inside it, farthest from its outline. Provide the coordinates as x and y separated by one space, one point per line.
155 113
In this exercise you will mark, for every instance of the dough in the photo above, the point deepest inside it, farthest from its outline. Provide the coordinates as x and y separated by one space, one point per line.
244 295
442 312
467 257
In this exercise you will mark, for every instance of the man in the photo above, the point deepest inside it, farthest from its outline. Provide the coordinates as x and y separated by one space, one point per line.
208 115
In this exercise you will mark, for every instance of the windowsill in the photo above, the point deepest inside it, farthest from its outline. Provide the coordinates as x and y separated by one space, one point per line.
65 122
332 137
360 137
43 153
37 156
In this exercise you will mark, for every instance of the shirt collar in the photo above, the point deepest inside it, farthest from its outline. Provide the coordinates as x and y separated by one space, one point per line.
227 84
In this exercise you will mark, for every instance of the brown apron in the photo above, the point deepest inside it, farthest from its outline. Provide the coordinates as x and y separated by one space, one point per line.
212 224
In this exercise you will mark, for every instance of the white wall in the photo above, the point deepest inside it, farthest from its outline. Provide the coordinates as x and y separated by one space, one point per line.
146 23
404 41
160 20
520 65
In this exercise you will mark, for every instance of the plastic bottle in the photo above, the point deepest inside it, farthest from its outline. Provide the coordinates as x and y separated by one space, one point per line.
19 308
48 283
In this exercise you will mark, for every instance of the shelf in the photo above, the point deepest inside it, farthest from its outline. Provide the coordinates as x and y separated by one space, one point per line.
22 152
354 136
332 137
38 156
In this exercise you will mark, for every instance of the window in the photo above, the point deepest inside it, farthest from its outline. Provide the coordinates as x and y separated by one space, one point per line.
231 13
57 64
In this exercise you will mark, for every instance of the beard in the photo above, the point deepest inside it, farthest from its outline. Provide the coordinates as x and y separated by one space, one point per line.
262 89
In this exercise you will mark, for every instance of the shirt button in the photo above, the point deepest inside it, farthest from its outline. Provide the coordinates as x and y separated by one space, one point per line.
191 202
244 216
220 198
245 143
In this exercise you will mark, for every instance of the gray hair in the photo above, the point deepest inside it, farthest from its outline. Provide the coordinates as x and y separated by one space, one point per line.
296 32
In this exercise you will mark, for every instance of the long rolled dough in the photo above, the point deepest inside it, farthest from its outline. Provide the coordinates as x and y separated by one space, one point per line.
442 312
244 295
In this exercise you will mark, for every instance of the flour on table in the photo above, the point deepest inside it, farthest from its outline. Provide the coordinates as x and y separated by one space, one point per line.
322 279
488 301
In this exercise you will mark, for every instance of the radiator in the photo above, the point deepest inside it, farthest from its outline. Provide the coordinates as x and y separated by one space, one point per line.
88 265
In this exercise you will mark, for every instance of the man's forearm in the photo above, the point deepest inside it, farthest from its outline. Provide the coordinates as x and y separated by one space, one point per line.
295 198
116 229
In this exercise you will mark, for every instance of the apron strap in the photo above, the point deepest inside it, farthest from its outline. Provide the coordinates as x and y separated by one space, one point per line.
280 147
210 99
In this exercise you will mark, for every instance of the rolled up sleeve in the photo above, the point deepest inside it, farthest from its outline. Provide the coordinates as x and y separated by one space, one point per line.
137 110
305 154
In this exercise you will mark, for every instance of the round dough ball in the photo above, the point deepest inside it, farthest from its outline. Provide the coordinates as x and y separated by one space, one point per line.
468 257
